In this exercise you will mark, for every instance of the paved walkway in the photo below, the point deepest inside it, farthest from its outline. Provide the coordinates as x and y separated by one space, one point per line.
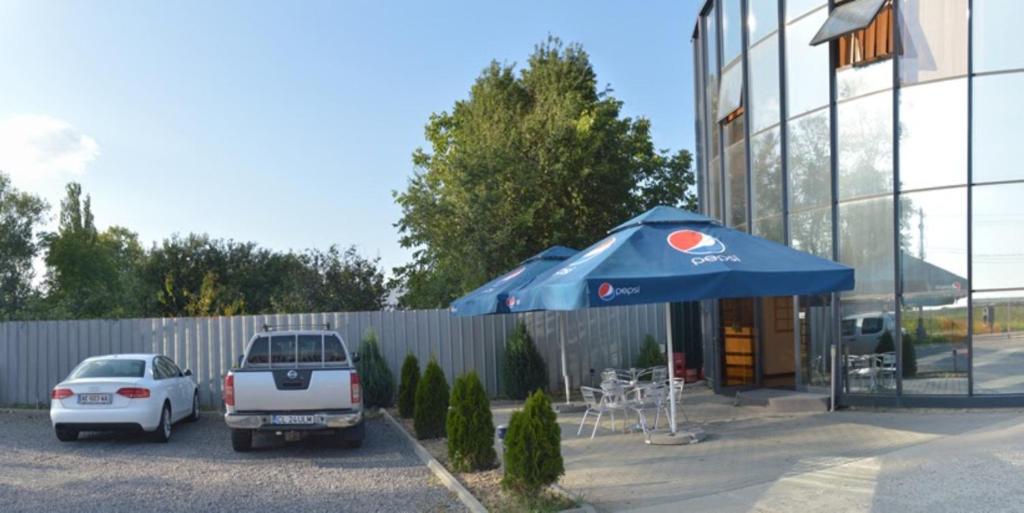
900 461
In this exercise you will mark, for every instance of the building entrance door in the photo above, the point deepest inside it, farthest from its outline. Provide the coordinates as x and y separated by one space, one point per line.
778 360
738 344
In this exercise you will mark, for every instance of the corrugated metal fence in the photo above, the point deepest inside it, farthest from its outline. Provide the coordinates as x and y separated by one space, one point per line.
36 355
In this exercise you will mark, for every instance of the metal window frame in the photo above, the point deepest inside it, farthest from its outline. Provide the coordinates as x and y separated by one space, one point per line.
970 198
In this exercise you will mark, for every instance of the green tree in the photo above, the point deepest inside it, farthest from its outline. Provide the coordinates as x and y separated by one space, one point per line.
20 216
533 450
376 379
431 403
407 387
532 158
470 426
650 354
524 370
90 274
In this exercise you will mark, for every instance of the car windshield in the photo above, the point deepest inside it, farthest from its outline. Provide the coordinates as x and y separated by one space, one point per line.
110 369
871 325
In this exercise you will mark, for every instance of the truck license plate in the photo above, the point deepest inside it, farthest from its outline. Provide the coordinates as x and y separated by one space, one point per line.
93 398
293 419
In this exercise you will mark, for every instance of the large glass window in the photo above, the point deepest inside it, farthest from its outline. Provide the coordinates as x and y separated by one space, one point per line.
714 200
763 19
766 185
998 342
807 66
933 117
933 267
868 312
815 317
796 8
934 38
998 239
811 231
997 127
711 81
854 81
732 25
865 146
810 177
996 27
764 84
736 175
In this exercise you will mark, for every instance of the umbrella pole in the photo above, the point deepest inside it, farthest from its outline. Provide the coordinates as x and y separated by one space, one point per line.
671 369
565 368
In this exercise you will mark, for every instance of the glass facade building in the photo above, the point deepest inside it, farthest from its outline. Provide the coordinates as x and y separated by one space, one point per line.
880 134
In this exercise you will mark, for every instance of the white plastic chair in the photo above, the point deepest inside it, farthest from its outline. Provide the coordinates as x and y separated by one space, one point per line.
598 403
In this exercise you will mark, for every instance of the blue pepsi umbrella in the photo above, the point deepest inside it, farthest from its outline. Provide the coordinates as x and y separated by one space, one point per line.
491 297
667 255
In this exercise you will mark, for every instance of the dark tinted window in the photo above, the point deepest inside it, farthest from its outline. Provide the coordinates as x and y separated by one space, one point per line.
849 326
310 349
333 350
162 369
871 325
258 352
110 369
282 349
172 368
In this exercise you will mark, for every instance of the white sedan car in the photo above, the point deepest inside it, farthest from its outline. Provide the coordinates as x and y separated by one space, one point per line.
133 392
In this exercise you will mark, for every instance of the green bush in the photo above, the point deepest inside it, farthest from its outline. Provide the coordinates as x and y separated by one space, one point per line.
533 451
407 387
524 369
470 426
431 403
375 377
886 344
650 354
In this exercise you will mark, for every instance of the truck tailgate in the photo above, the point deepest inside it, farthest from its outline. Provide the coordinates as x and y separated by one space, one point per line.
293 389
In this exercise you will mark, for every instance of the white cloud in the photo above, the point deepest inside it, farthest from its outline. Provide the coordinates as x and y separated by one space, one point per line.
40 148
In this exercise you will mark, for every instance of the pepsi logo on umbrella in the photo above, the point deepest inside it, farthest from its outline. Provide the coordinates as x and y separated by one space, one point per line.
693 242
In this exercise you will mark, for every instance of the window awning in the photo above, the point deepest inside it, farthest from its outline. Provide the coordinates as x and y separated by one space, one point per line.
847 17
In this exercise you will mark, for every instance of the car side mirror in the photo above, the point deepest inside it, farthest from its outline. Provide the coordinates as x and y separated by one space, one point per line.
188 372
355 357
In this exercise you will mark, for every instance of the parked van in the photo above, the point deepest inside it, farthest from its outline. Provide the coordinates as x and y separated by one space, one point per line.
862 332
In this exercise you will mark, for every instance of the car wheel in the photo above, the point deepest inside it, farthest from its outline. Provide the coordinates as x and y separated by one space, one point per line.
241 440
163 430
195 409
66 435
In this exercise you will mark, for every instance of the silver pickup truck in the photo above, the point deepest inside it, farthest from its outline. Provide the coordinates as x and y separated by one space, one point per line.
294 383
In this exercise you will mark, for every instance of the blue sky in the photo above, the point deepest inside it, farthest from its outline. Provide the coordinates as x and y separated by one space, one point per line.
288 123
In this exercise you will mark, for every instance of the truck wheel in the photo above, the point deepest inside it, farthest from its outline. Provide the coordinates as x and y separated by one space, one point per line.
241 440
195 409
66 435
352 437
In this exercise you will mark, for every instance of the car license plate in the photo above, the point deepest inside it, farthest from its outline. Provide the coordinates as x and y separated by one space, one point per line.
93 398
293 419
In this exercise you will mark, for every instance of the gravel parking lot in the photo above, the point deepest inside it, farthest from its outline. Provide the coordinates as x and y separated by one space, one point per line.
197 471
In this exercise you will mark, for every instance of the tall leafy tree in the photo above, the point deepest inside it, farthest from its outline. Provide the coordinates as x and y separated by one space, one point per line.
20 216
533 157
90 274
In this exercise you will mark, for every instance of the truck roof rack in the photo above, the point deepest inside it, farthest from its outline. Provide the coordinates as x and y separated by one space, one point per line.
282 327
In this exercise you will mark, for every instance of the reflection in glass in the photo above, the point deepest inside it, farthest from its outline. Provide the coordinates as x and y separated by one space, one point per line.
934 36
865 146
933 263
713 203
730 95
732 39
711 82
998 131
763 19
764 84
810 175
766 185
868 320
736 175
998 342
807 66
810 178
795 8
815 338
996 32
811 231
998 236
853 81
933 116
